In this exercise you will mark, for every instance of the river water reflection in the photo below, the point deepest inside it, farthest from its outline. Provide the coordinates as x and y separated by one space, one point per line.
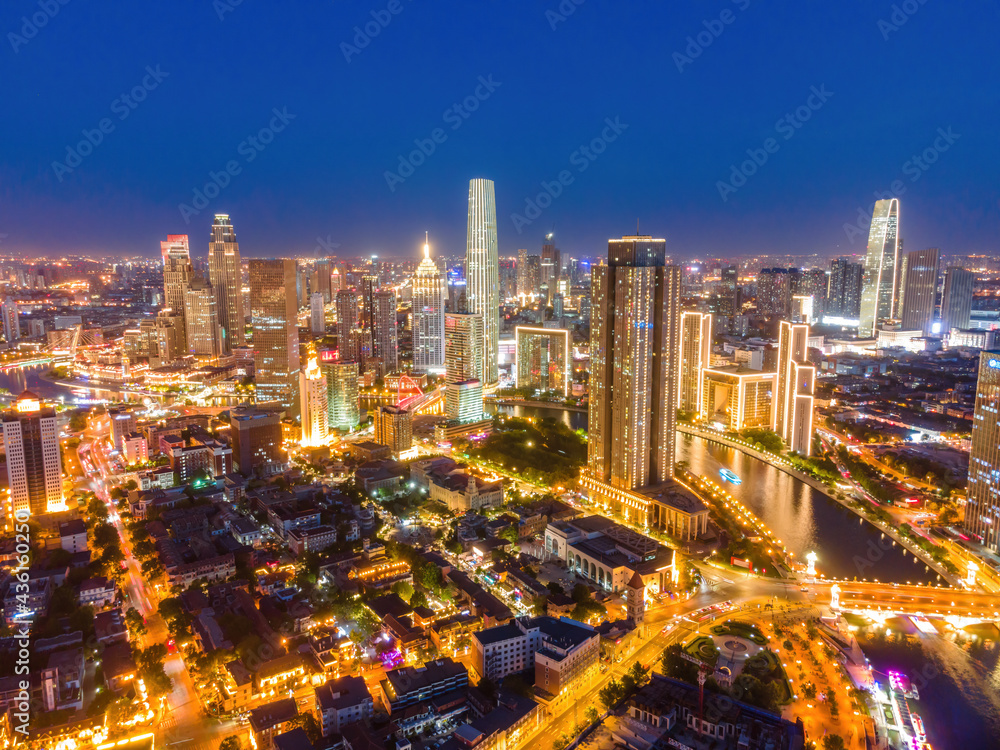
804 519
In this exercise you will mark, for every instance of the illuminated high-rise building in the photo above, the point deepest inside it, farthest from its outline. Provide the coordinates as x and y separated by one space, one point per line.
956 300
696 355
201 319
551 262
918 276
634 355
177 275
394 428
843 297
323 272
226 276
347 324
429 293
982 511
274 312
729 292
775 287
384 336
544 359
880 285
317 313
793 400
463 401
463 347
483 273
314 408
34 463
341 394
11 324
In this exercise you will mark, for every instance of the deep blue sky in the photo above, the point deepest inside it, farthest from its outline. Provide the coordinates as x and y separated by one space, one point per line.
324 175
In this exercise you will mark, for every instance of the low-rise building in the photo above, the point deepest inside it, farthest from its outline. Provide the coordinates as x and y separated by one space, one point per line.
561 652
407 686
314 539
73 535
341 702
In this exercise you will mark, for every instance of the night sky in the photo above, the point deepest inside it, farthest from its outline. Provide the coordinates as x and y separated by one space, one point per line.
686 112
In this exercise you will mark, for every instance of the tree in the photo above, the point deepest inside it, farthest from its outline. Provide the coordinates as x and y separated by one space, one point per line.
610 694
404 589
134 623
833 742
591 715
231 743
418 599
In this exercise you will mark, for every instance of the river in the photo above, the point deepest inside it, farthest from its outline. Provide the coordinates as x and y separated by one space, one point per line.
803 518
958 674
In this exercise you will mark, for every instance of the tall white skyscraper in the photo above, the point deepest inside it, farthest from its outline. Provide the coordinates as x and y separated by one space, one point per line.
429 294
315 415
696 356
317 313
226 276
793 403
482 264
880 284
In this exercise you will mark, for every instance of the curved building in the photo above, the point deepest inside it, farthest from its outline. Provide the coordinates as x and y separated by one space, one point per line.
482 274
880 284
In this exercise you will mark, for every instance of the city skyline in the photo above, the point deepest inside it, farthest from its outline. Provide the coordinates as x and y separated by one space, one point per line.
324 177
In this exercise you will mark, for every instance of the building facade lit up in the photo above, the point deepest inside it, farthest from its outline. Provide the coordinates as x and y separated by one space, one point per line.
880 283
482 264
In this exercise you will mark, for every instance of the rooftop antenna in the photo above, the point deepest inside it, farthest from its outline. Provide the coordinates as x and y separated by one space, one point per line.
636 226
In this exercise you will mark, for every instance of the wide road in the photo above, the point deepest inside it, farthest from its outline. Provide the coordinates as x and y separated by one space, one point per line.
667 624
181 719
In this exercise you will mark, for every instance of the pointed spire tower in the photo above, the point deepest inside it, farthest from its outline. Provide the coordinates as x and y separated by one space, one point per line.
429 294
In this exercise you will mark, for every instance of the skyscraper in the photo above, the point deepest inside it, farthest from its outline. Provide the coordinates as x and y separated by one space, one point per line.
274 312
696 355
483 273
11 324
428 315
394 428
775 287
341 394
34 464
463 347
522 272
982 512
551 262
880 285
812 282
956 300
793 402
463 400
385 345
314 408
843 298
317 313
201 319
544 359
729 292
177 274
634 370
226 277
347 324
919 274
322 273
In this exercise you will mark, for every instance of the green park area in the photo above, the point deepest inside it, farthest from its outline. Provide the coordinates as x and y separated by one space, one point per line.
543 451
